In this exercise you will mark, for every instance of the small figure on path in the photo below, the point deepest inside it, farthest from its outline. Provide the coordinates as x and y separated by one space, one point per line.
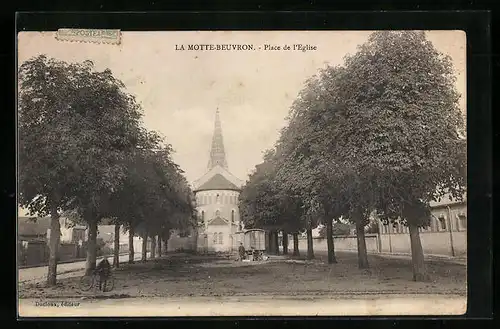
103 269
241 251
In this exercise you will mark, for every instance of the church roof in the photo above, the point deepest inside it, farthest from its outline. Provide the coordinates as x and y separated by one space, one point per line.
217 182
218 221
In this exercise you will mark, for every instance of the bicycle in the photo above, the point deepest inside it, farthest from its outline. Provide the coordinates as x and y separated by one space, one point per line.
87 282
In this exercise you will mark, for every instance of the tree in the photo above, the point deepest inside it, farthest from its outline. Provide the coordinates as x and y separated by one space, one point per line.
265 205
77 125
155 196
402 129
305 168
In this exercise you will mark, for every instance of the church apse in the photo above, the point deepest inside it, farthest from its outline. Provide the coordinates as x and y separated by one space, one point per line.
217 198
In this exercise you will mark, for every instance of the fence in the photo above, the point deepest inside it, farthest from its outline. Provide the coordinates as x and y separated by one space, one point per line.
35 253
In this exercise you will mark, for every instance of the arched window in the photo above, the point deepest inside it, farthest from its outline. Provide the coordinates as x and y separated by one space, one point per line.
239 227
232 216
217 213
215 238
203 215
220 238
217 199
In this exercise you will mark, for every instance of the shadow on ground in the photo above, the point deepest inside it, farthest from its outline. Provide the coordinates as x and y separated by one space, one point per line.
207 275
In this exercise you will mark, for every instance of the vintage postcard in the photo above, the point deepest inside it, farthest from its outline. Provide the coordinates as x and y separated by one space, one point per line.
241 173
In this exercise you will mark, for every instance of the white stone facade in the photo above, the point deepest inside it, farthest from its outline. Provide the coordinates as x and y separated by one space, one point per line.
218 212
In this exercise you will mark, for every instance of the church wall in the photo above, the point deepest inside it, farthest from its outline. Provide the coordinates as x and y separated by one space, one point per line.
209 204
224 201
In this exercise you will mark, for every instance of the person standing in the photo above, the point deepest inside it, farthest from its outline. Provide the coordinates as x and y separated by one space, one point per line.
241 251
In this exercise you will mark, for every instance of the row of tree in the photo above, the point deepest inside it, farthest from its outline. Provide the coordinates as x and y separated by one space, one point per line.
381 135
83 151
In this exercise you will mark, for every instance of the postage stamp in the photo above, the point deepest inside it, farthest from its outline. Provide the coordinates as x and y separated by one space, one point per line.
89 35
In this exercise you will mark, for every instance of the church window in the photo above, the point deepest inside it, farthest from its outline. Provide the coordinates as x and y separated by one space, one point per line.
239 227
232 216
220 237
217 213
218 198
203 215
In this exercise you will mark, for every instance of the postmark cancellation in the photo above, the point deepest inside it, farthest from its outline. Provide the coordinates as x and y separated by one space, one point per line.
107 36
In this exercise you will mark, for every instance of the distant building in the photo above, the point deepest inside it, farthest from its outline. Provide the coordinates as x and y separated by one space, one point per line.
216 195
70 232
446 215
29 229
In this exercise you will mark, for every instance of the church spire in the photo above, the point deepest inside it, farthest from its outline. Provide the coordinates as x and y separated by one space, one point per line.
217 154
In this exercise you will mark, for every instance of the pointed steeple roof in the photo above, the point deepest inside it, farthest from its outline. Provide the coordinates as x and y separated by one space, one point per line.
217 154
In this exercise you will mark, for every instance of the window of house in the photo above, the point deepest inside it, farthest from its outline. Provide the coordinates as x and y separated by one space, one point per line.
232 216
220 238
463 220
442 223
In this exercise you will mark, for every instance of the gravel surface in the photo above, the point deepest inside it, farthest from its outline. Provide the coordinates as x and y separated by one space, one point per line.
181 275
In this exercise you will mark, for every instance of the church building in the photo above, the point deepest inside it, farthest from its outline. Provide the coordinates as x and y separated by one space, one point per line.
216 194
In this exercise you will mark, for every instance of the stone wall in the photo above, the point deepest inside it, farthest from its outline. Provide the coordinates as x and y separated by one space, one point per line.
433 243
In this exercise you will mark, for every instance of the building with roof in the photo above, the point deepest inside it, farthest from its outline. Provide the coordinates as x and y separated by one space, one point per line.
32 228
216 195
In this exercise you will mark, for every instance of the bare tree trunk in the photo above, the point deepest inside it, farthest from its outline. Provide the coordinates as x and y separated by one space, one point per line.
159 245
91 246
55 237
417 254
276 243
360 236
269 237
116 251
144 246
330 243
165 247
152 254
131 251
296 251
166 236
271 242
285 243
310 248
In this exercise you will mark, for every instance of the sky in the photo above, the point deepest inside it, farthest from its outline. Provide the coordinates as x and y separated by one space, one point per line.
180 90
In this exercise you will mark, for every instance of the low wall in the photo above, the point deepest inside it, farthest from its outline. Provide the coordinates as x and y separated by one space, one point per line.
176 243
347 242
433 243
33 253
